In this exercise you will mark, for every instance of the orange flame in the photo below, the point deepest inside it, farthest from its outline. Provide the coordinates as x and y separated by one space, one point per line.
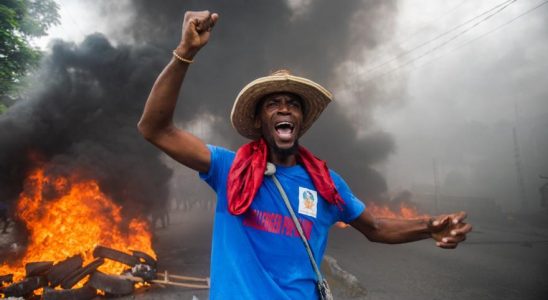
404 211
73 221
384 211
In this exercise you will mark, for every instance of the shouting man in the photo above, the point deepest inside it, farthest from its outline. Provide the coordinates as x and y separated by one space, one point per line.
257 252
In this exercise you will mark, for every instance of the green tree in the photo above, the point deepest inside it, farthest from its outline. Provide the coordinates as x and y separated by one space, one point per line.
20 22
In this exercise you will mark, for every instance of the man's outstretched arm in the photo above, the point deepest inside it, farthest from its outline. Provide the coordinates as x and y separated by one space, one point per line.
447 230
156 123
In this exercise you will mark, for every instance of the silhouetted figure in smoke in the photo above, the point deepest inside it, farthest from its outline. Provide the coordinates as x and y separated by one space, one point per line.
544 193
4 213
160 213
403 197
180 204
256 252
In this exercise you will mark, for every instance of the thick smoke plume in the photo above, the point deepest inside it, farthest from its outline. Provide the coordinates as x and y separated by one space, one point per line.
82 119
90 96
254 38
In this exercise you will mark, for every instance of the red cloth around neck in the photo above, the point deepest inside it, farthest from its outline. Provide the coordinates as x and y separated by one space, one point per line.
247 172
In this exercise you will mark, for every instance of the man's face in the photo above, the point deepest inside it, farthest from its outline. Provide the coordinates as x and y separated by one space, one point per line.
280 116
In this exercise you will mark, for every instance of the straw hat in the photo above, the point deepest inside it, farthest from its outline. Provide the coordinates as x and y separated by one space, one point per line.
315 100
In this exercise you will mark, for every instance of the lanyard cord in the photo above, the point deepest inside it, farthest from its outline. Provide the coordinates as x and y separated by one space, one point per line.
298 226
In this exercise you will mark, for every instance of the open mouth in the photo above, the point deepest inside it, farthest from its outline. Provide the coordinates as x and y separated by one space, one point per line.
284 129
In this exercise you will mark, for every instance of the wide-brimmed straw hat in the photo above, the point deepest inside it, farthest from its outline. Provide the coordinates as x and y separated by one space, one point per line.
315 100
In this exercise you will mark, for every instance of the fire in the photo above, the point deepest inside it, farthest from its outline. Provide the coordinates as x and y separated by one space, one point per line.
75 217
384 211
404 211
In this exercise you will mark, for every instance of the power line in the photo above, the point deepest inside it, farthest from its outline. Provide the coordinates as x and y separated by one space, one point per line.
425 24
432 50
429 22
501 25
504 4
474 39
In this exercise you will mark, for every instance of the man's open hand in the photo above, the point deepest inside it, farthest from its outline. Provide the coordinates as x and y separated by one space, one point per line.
197 26
449 230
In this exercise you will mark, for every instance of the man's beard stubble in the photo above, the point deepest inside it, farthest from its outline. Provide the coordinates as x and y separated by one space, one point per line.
284 152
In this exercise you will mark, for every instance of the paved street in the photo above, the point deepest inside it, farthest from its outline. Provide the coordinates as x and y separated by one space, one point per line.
494 263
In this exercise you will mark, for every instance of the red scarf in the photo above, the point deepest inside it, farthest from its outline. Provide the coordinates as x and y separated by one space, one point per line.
247 172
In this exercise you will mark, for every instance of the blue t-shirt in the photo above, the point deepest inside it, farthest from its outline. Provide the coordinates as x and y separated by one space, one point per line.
259 254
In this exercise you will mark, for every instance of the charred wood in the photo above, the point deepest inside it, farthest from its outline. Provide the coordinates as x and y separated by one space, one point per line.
115 255
25 287
61 270
6 279
112 285
37 268
80 273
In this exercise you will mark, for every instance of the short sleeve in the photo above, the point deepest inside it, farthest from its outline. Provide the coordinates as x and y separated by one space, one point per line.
221 160
353 207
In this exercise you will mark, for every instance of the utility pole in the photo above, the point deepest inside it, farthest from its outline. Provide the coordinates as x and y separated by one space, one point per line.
519 170
436 186
544 192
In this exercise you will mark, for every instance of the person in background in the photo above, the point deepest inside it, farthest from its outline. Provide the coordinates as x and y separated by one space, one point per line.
4 216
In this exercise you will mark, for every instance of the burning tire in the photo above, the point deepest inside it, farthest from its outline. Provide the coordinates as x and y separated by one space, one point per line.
115 255
63 269
110 284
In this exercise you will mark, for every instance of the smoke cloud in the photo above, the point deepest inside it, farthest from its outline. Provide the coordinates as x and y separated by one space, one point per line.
253 39
82 118
82 114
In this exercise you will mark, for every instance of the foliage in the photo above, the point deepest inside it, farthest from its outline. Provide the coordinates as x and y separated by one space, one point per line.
20 22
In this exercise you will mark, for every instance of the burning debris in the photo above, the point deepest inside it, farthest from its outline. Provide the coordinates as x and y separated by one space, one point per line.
71 222
401 206
71 272
391 210
25 287
111 285
67 215
81 115
400 211
74 232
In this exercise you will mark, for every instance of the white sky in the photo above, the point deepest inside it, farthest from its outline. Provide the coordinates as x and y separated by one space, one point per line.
79 19
482 82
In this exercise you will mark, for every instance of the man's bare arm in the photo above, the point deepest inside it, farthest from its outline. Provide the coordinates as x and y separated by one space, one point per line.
447 230
156 123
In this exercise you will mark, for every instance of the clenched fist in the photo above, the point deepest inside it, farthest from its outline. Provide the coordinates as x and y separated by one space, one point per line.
197 26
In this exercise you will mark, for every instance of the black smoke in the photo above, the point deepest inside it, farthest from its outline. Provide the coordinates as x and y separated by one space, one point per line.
88 97
81 119
254 38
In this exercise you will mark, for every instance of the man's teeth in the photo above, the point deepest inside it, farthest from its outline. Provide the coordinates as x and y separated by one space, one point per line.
284 129
288 124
